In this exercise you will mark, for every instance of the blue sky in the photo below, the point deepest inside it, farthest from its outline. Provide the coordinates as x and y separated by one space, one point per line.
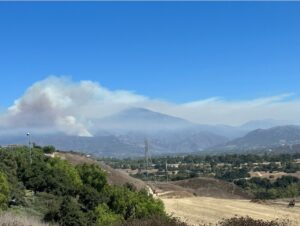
179 52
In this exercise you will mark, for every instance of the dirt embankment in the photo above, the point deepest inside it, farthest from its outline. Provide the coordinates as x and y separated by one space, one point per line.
210 187
204 187
114 177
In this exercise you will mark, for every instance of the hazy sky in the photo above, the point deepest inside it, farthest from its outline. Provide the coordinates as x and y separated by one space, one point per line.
179 52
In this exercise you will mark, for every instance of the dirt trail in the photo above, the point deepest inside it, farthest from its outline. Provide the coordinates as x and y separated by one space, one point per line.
205 210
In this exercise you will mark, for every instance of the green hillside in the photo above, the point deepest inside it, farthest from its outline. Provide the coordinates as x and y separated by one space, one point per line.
57 192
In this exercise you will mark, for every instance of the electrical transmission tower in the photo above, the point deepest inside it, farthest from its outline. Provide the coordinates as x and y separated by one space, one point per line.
148 160
146 156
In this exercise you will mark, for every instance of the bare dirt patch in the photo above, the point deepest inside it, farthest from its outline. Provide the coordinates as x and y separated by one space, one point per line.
273 175
210 187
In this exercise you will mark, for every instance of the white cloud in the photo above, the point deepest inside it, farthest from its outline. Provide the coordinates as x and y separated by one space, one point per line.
60 104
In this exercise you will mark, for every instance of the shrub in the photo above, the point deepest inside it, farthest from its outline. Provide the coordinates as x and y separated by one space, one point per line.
105 217
92 175
248 221
155 220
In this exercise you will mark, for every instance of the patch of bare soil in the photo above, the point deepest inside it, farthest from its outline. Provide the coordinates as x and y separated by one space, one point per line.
210 187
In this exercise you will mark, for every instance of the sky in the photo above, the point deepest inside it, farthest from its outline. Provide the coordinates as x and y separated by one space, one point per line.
176 53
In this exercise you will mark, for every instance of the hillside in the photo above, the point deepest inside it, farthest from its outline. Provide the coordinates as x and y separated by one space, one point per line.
123 135
141 119
114 177
57 192
210 187
269 137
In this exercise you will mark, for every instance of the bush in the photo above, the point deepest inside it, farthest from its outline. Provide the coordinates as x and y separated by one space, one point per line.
154 221
248 221
92 175
91 198
49 149
104 216
134 204
68 214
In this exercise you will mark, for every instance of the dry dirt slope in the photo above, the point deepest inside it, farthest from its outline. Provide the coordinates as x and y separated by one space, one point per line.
207 201
115 177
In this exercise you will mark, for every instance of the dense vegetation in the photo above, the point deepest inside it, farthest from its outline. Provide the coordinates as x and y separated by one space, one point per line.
263 188
67 195
248 221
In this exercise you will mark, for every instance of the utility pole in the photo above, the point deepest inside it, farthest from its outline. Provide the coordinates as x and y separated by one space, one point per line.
29 145
166 170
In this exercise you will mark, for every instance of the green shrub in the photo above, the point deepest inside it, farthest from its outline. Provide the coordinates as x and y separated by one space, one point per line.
105 217
248 221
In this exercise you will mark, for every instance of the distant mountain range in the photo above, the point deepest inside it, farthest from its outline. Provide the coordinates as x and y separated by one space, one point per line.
263 124
123 135
279 135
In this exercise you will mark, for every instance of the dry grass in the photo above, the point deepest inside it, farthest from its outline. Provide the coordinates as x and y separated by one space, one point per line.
273 175
211 187
12 219
207 210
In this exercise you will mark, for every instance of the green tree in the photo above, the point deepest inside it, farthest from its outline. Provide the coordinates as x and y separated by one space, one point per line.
68 214
92 175
49 149
105 216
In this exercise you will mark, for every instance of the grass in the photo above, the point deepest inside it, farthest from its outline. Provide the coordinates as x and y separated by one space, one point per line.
14 219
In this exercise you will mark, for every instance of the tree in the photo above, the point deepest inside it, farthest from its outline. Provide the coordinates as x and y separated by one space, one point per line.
68 214
91 198
105 216
62 178
49 149
92 175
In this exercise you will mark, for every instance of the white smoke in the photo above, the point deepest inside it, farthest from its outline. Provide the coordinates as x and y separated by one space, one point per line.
60 104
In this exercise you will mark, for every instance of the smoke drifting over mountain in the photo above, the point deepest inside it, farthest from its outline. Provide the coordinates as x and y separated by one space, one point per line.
60 104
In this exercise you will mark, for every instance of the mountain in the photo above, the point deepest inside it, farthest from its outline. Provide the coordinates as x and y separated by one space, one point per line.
262 124
124 133
269 137
141 119
150 122
166 134
107 145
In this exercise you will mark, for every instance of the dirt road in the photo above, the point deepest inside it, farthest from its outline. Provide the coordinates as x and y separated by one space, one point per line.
205 210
